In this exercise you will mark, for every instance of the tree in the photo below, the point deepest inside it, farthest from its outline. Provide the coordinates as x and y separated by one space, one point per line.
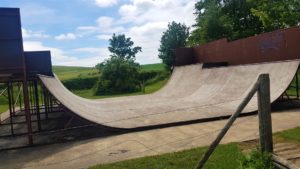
218 19
211 24
174 37
243 22
277 14
122 47
119 74
236 19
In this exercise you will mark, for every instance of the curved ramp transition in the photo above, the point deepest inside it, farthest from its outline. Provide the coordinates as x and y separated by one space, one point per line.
192 93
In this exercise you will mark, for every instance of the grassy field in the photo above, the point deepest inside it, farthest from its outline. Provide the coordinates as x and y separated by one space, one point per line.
69 72
225 157
292 89
153 67
3 107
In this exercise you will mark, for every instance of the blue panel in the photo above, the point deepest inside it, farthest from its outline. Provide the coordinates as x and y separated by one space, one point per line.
10 27
39 62
11 44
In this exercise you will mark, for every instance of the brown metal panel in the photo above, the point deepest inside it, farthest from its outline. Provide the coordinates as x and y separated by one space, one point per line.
185 56
272 46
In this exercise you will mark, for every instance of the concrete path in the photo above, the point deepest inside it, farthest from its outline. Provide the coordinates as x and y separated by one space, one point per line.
82 154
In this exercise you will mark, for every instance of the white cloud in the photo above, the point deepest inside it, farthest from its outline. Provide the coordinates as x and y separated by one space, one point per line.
150 19
105 21
99 50
68 36
107 24
104 37
105 3
59 57
26 33
148 37
144 21
143 11
103 24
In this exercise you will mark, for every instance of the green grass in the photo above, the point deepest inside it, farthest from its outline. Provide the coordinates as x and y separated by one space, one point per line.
292 90
4 101
291 134
153 67
69 72
3 108
225 157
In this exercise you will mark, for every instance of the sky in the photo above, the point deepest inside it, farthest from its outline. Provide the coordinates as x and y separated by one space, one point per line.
77 31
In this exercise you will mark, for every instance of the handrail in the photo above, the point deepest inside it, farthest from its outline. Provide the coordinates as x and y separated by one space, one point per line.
18 96
3 92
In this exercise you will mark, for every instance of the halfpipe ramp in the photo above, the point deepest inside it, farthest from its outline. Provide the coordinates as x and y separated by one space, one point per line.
192 93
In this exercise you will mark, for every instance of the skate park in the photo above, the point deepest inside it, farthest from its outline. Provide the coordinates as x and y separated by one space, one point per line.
207 84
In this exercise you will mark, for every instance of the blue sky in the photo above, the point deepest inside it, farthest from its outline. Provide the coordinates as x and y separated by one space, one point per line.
77 31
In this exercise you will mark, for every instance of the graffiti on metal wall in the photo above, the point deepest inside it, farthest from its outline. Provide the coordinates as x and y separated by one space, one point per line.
272 43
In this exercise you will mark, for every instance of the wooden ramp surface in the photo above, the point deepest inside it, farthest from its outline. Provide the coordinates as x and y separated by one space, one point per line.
192 93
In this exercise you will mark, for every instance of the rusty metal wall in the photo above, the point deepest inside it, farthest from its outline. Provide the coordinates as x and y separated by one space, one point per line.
185 56
11 45
273 46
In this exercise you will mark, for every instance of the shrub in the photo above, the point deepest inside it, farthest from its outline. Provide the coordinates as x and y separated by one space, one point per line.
80 83
118 76
257 160
161 75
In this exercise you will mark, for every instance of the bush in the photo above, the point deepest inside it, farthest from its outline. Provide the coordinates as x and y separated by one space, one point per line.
257 160
119 75
161 75
80 83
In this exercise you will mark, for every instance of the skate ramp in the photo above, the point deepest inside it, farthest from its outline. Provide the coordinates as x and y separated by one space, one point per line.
192 93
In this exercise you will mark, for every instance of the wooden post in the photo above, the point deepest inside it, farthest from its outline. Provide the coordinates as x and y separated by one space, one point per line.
297 85
37 105
10 103
264 114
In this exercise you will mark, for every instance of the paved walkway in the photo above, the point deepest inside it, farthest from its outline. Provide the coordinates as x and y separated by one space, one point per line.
82 154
